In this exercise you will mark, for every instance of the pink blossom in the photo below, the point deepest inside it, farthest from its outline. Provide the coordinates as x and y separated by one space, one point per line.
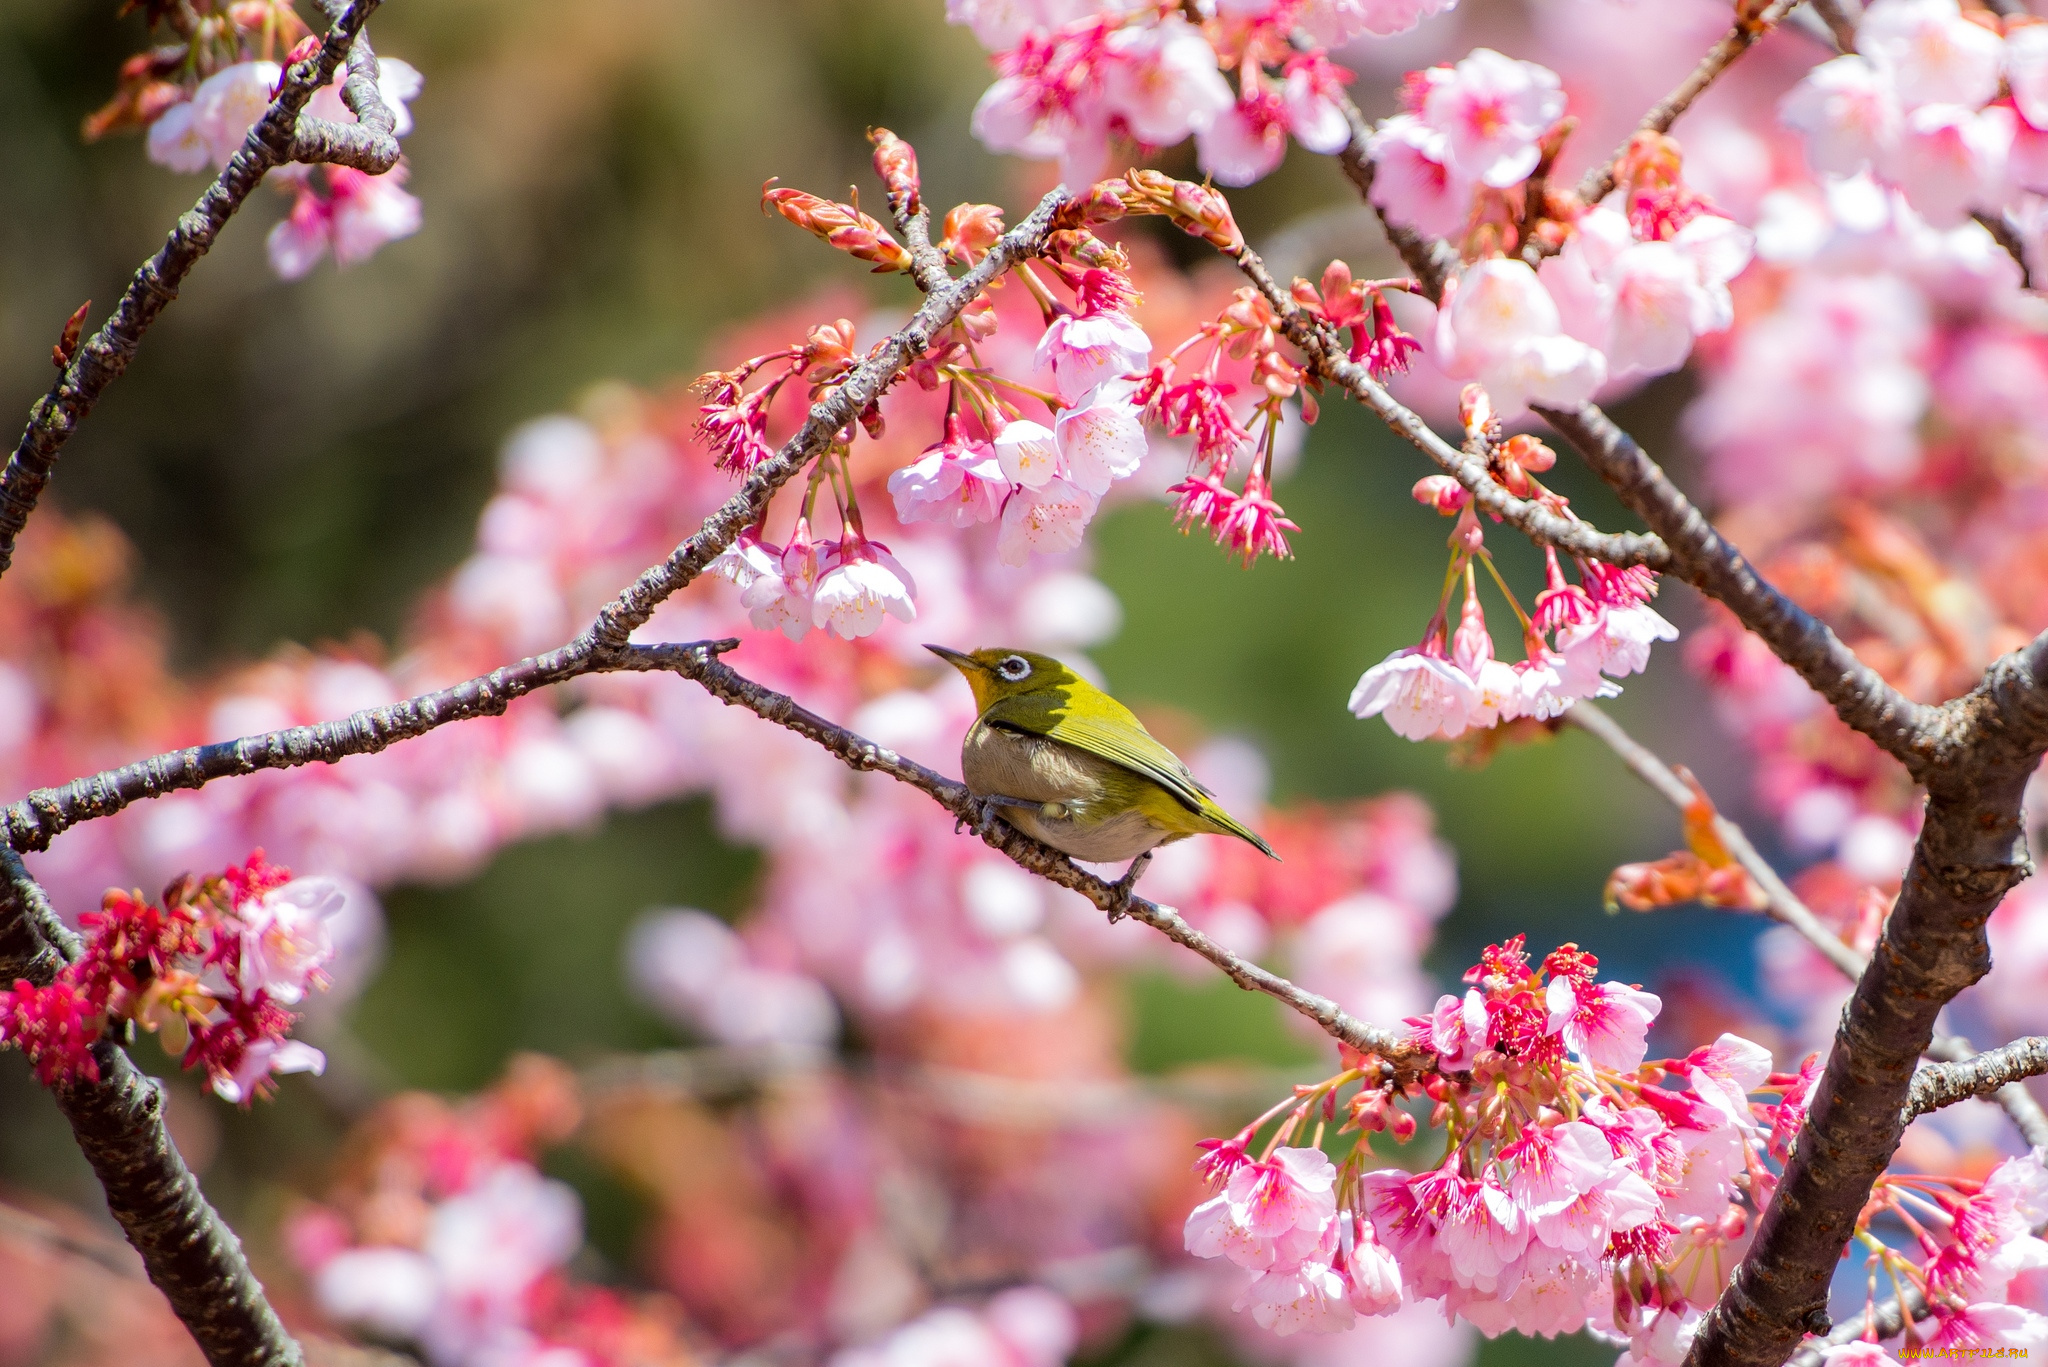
1480 1229
1333 23
1028 453
1421 694
1251 524
1101 438
1492 110
1309 93
1046 520
1001 24
262 1059
1308 1296
1552 1165
1247 141
212 126
1164 82
1500 326
1989 1325
860 582
1607 1024
957 482
1856 1354
1934 54
2026 71
1951 159
1413 179
1725 1072
1991 1239
285 940
749 558
1643 303
1370 1268
391 1291
1848 109
1085 350
1294 1189
781 600
358 215
1457 1029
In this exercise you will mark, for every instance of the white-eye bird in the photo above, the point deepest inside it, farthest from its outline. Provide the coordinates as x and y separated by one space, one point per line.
1064 762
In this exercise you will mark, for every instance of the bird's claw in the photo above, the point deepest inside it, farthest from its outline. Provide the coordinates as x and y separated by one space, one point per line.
1125 887
984 819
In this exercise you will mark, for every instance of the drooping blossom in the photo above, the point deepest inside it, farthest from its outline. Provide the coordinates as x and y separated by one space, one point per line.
357 215
859 582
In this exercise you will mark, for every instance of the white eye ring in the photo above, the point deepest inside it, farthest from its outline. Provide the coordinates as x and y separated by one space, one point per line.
1015 668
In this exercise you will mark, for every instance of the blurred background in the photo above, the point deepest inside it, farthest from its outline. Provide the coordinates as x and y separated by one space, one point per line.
295 463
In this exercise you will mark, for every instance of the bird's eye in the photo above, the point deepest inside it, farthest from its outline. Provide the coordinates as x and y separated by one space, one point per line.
1015 668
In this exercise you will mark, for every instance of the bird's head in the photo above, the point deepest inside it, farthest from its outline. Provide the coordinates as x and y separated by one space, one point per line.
997 673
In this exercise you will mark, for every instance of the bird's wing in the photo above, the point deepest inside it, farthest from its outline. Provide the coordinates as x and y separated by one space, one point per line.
1116 736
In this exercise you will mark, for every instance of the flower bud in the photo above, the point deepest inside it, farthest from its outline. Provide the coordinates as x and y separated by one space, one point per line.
1197 209
840 225
1475 412
1442 493
1529 453
896 164
969 231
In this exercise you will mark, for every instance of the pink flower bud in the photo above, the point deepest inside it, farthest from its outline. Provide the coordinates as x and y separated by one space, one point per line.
896 164
1442 493
840 225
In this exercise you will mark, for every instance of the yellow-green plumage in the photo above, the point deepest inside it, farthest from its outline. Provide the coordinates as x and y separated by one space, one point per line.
1073 767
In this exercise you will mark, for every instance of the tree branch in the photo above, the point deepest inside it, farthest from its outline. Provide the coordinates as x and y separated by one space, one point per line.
188 1250
1971 850
1704 558
1329 360
1747 30
369 144
106 354
38 818
1995 1072
1784 906
700 661
1781 904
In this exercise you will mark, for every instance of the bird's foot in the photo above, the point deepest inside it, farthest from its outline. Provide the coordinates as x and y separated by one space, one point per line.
1126 886
987 811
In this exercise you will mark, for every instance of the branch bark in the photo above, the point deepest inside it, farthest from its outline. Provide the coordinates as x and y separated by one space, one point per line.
105 355
1329 359
700 661
35 820
1744 35
188 1250
1701 556
1944 1084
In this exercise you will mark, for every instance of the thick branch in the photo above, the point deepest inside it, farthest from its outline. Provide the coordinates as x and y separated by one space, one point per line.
1703 557
1970 851
189 1251
701 662
41 816
1328 359
1784 905
105 355
1740 39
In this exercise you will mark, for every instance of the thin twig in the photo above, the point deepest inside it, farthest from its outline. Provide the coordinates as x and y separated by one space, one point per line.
103 357
1995 1073
370 143
2006 234
1328 359
700 661
38 818
1744 35
1841 24
1781 904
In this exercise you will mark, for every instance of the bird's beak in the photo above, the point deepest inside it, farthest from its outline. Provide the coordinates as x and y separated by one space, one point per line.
961 661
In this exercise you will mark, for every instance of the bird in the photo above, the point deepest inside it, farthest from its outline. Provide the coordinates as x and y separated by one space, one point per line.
1063 762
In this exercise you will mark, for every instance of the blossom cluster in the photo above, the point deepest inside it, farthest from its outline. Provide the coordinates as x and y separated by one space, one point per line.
1076 76
200 93
1556 298
213 971
1576 637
